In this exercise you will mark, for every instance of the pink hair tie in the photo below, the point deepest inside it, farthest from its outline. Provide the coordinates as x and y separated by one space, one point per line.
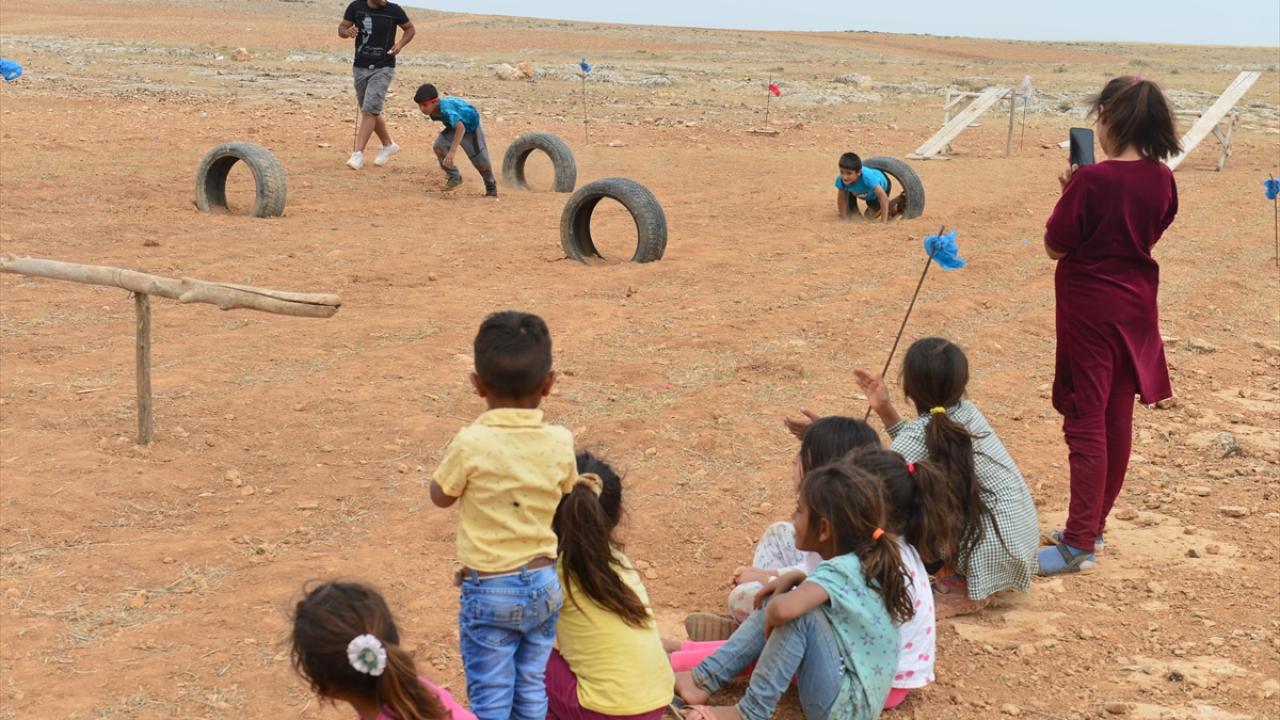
1137 79
911 468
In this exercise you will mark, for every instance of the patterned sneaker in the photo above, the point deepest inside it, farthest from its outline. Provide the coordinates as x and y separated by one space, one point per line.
453 182
385 154
357 160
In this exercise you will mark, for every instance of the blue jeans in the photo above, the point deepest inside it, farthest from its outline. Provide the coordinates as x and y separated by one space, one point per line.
805 648
506 626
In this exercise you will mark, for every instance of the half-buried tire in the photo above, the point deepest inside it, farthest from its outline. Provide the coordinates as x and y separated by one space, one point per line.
905 182
268 178
555 148
651 222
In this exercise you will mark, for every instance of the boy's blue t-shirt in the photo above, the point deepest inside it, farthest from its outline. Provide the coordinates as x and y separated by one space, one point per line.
454 109
865 187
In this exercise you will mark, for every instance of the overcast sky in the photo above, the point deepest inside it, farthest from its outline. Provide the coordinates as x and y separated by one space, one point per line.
1221 22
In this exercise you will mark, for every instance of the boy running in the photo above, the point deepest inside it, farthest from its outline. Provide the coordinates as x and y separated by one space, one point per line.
462 128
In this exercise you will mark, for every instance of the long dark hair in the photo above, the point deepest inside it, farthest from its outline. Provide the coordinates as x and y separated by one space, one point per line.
921 505
584 524
1137 114
935 373
331 615
851 500
830 438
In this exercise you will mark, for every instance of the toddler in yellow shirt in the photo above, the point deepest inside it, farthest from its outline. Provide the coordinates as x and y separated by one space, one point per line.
507 471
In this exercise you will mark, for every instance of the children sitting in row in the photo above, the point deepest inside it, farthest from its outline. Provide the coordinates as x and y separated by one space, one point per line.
834 630
1000 531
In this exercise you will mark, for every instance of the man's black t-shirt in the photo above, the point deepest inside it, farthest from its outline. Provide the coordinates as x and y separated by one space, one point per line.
375 32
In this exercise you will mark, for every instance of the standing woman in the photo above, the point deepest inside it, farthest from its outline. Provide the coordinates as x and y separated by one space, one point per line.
1109 348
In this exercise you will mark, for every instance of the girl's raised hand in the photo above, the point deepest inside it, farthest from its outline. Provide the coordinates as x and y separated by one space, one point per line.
872 385
798 426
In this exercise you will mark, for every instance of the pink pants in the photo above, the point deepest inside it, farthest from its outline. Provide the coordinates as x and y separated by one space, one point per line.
691 653
562 696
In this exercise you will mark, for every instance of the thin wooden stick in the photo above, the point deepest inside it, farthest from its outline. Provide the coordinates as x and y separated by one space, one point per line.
146 424
903 326
586 132
768 96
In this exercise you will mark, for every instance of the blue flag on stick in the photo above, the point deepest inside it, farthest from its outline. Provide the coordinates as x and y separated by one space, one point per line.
10 70
942 248
584 65
1273 187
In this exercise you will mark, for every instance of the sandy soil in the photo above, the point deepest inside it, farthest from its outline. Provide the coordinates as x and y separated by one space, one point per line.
149 582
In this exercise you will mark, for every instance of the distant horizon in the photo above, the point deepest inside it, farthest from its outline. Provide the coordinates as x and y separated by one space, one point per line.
1230 23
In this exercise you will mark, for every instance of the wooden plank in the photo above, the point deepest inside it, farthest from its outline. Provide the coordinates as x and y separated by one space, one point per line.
1211 117
957 124
185 290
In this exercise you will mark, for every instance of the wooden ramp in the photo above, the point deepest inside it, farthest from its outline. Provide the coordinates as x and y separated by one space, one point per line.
1208 122
957 124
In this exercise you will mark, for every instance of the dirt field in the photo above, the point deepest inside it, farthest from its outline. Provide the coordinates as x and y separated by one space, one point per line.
155 582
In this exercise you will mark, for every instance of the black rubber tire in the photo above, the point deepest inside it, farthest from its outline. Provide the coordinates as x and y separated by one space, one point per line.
268 177
908 182
651 222
554 147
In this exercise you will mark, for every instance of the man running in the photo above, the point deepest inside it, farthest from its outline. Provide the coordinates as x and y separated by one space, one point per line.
373 24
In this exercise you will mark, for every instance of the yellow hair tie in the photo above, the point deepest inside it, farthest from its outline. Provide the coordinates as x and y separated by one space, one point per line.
592 482
938 411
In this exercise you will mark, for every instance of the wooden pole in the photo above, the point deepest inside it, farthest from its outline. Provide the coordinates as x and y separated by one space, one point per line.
1013 114
928 261
586 132
768 96
146 424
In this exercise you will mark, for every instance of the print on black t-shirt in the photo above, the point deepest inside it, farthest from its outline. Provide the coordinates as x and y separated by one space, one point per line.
375 32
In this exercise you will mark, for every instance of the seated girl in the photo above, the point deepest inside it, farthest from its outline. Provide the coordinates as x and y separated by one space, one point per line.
610 661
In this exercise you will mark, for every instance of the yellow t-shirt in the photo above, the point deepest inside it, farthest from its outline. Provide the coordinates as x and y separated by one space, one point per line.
621 670
508 470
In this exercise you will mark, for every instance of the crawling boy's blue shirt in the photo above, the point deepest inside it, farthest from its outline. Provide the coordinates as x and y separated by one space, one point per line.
865 187
452 110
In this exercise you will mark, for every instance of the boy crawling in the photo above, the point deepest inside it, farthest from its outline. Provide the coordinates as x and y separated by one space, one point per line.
870 184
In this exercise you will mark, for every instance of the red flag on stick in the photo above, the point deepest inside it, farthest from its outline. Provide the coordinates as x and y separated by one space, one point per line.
774 89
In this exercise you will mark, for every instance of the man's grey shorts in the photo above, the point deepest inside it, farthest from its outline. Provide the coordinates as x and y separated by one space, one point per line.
371 87
472 144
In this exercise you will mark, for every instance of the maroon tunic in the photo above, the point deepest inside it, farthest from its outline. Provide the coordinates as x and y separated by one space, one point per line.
1107 220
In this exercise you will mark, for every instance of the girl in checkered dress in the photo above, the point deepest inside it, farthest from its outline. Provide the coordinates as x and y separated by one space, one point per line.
1001 536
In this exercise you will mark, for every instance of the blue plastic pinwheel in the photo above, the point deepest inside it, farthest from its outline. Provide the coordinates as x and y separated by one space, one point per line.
1273 187
584 65
10 70
942 248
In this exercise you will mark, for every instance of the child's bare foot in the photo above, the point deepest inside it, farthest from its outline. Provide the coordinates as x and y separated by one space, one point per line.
707 712
671 645
689 691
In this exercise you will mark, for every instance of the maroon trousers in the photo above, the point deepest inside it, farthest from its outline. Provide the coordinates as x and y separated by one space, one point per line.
1099 439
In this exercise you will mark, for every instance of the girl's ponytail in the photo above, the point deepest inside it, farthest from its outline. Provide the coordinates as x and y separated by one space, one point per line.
584 525
402 692
950 446
883 569
851 500
921 506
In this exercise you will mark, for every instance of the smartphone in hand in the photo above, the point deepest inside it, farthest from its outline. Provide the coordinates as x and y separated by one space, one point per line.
1081 146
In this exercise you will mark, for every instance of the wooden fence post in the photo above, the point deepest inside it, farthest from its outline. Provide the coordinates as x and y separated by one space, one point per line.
146 425
1013 111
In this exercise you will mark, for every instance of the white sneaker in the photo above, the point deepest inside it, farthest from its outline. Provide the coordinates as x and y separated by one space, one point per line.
357 161
385 154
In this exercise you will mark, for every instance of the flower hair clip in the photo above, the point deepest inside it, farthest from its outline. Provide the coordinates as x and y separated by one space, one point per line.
367 655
